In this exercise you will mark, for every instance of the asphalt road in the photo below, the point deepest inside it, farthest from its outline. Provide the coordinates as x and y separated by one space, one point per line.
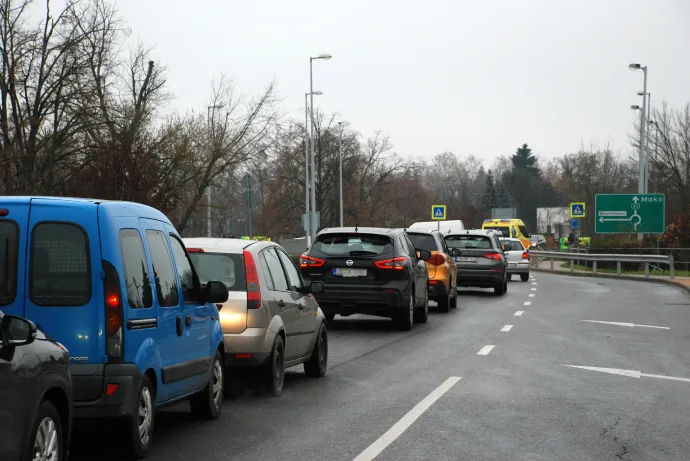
520 401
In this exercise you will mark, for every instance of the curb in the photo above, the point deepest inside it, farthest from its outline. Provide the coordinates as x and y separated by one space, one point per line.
680 286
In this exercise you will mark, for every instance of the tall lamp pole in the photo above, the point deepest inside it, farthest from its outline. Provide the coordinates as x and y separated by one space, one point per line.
209 120
340 156
306 160
311 135
641 182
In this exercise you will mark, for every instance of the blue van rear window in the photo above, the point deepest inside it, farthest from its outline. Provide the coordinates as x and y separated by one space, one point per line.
137 279
60 265
9 233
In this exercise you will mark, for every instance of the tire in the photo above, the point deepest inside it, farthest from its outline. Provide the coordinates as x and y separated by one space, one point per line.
421 314
141 425
317 365
274 371
405 320
208 403
500 290
48 425
524 277
453 297
444 304
329 317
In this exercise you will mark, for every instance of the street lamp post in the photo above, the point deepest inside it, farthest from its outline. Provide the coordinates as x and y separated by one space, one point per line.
641 183
208 188
311 135
306 161
340 156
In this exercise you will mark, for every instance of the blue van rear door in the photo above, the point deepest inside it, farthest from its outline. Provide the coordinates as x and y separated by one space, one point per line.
64 289
14 217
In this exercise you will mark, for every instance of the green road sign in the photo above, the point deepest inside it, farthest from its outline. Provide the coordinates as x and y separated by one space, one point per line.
629 213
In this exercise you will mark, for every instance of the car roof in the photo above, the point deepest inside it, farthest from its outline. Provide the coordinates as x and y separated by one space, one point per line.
219 245
362 230
485 232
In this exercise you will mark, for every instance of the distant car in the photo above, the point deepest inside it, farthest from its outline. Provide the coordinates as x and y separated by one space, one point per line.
537 242
441 267
35 393
480 259
270 321
518 258
369 270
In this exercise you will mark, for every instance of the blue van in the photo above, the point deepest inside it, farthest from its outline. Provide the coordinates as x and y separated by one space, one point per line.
113 283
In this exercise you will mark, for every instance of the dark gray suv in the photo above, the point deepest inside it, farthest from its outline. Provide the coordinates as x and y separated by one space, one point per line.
479 258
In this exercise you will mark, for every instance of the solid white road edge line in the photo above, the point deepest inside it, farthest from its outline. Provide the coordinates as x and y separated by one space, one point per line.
625 324
506 328
485 350
406 421
518 313
629 373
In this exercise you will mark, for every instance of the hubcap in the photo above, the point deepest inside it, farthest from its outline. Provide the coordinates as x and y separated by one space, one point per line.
46 446
217 383
323 351
145 415
278 368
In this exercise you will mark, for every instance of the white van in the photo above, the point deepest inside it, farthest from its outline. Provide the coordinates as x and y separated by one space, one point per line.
445 227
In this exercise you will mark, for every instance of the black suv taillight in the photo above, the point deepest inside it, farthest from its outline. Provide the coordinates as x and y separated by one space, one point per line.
114 317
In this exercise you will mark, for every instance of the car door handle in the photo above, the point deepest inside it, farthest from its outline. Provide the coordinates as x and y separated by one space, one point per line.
188 320
178 324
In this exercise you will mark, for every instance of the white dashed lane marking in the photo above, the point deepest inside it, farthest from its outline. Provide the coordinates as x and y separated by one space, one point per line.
485 350
519 313
506 328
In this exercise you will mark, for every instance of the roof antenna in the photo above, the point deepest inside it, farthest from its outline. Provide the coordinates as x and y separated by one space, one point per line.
356 222
404 224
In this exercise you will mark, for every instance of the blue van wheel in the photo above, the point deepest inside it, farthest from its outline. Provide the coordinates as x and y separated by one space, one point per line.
208 403
140 425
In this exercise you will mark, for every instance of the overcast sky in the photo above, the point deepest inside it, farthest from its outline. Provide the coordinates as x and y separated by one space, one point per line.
474 76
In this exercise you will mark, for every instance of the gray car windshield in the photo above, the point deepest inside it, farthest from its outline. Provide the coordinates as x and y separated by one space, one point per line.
480 242
353 245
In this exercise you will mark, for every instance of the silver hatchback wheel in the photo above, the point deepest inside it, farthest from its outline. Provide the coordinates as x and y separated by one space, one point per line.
47 443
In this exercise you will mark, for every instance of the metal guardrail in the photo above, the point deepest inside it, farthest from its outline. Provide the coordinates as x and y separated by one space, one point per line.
617 258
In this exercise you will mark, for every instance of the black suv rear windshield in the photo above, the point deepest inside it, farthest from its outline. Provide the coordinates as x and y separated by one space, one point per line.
8 261
353 245
220 267
480 242
423 242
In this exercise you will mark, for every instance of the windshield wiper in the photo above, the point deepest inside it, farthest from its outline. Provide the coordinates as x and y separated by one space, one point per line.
363 253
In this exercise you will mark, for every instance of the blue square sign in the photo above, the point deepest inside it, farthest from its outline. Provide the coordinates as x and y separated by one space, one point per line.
577 210
438 212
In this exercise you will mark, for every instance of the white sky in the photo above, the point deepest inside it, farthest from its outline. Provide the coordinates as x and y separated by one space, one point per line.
479 76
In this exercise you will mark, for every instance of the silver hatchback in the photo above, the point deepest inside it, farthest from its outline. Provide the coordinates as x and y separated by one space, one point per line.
270 321
518 258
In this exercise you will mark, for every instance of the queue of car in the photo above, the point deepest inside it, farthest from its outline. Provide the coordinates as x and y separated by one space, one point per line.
125 317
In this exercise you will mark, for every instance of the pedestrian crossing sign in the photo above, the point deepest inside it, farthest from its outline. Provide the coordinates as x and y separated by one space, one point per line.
438 212
577 210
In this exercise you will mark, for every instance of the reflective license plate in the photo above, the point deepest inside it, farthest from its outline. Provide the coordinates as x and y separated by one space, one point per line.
512 264
463 259
347 272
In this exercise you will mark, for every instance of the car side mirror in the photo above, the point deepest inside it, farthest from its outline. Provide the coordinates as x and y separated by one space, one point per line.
17 331
215 292
424 255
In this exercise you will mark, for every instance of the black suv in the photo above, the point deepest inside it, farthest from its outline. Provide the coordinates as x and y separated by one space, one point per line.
480 259
35 393
372 271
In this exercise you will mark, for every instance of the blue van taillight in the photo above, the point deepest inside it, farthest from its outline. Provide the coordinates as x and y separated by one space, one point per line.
114 317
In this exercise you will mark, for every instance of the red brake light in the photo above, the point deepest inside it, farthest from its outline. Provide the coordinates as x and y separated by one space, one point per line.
114 316
4 211
112 300
525 255
494 256
253 285
397 264
437 260
195 250
310 261
110 389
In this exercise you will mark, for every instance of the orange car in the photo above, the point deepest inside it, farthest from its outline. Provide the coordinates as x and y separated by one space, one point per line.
441 267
